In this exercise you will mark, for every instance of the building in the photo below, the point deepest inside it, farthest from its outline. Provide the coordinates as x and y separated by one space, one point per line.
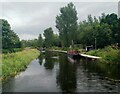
88 48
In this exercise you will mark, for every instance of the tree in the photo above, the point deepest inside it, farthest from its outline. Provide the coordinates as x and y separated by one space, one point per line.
90 19
103 35
48 34
10 39
40 41
66 23
30 43
86 35
118 39
56 40
112 20
92 30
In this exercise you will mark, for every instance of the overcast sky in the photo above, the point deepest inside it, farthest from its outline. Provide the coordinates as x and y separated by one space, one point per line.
28 19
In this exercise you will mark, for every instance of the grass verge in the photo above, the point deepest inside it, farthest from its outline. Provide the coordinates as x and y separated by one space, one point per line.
13 63
109 64
109 54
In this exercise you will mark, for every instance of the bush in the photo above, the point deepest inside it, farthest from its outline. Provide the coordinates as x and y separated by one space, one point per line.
11 50
108 54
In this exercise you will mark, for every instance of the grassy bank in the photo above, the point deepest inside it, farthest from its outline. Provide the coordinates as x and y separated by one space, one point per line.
16 62
108 54
109 64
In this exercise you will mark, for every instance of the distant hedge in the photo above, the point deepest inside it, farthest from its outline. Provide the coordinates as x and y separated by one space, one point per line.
11 50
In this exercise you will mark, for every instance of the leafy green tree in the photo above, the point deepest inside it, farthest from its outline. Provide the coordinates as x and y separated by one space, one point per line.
112 20
86 31
66 23
48 34
92 31
103 35
96 21
24 43
102 17
90 19
10 39
56 40
29 43
118 37
40 41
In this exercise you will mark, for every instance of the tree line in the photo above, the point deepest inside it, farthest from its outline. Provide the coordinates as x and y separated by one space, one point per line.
10 40
99 32
105 30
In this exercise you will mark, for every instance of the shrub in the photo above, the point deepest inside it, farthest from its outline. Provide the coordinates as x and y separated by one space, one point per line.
108 54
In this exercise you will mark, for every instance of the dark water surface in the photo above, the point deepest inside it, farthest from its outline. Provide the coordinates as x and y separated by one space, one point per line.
53 72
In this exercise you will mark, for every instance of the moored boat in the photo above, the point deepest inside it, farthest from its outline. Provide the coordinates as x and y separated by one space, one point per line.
73 54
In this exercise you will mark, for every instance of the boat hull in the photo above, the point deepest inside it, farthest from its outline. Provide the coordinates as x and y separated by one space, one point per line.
74 56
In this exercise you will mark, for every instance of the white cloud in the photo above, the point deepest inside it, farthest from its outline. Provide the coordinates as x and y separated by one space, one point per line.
28 19
60 1
119 9
27 36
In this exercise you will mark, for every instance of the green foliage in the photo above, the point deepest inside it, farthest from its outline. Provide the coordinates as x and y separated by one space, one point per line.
66 23
112 21
109 54
103 35
104 31
9 38
12 63
48 33
56 40
40 41
30 43
97 32
109 63
11 50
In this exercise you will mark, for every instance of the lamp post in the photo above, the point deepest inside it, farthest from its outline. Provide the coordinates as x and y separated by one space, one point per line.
95 43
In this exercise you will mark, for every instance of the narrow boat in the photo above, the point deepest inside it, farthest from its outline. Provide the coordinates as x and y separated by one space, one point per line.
74 55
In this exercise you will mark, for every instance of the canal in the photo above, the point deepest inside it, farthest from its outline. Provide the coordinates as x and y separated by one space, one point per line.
54 72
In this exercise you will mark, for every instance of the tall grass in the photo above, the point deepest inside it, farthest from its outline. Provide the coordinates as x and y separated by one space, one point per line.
109 64
108 54
0 64
12 63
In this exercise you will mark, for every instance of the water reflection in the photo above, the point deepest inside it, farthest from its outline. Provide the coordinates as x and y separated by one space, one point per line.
53 72
104 69
49 64
41 57
66 77
101 74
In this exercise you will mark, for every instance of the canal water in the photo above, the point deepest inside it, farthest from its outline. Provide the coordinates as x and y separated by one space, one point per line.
55 72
